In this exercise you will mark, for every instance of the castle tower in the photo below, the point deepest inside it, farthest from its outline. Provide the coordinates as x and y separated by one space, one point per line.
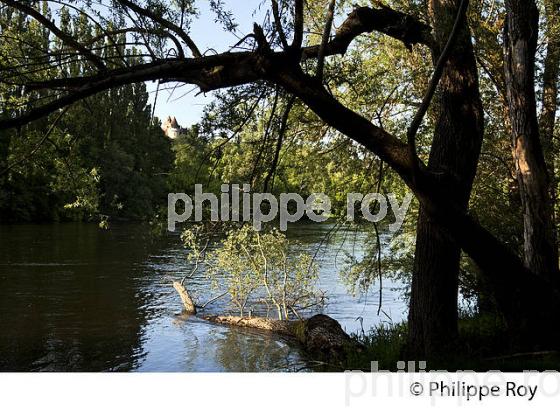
171 128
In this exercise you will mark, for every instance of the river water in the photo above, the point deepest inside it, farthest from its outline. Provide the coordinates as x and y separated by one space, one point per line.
74 297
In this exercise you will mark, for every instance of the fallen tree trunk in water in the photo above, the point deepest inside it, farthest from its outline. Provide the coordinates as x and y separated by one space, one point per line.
282 327
188 304
320 335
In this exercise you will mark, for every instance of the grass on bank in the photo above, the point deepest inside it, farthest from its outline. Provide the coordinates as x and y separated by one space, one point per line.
483 345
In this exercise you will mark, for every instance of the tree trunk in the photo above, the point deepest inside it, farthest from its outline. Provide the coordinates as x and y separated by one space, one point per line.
188 304
528 303
454 156
320 335
520 45
433 303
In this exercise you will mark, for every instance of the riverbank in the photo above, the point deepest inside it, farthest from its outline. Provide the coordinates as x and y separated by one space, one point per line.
483 345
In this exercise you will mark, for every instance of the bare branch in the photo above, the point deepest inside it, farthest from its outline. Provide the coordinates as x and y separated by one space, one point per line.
215 298
325 40
164 23
209 73
298 24
385 145
140 30
278 24
281 134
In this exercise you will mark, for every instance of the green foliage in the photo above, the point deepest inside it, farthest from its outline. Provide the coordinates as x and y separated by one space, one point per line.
483 344
384 344
257 268
102 158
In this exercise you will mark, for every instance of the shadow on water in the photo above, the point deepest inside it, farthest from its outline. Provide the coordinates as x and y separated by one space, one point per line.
77 298
70 298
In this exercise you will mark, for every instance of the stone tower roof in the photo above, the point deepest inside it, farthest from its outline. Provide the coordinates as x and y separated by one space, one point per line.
171 127
170 122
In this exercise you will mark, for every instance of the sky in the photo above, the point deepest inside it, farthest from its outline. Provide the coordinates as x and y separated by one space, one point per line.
183 102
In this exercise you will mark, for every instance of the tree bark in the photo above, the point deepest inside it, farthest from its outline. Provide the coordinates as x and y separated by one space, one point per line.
520 46
188 304
454 156
319 335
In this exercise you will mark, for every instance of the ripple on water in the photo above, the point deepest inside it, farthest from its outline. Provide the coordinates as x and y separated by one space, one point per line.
77 298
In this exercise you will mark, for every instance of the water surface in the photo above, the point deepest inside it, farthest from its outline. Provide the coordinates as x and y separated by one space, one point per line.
77 298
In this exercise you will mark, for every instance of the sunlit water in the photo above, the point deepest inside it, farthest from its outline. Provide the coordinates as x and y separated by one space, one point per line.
77 298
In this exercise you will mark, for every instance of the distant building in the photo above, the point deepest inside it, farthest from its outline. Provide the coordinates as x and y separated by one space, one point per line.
171 128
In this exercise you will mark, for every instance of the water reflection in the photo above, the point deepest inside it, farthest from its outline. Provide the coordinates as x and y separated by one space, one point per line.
77 298
68 300
242 351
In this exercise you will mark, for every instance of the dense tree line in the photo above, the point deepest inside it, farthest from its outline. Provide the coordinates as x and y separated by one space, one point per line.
105 158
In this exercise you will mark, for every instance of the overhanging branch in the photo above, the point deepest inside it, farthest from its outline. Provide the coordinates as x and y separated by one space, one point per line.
400 26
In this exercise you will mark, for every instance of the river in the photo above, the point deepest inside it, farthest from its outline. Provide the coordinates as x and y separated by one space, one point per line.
74 297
